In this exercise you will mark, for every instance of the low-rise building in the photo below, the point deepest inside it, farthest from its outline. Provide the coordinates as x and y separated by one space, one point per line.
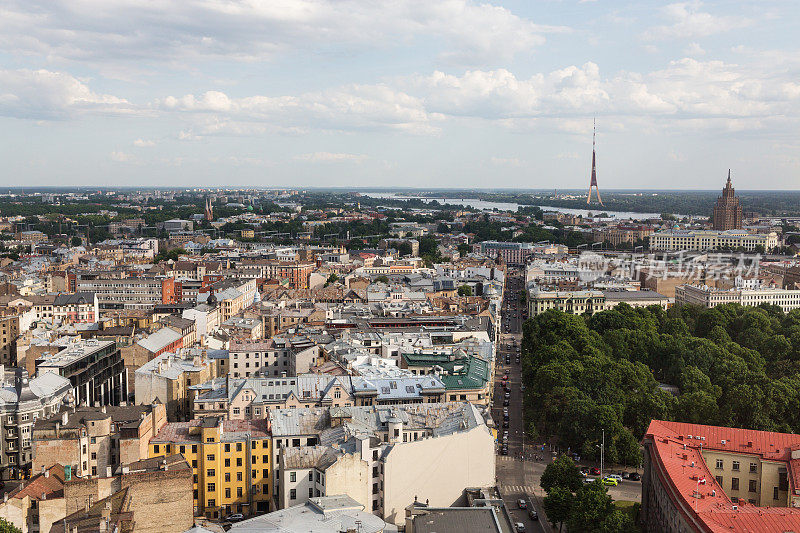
326 514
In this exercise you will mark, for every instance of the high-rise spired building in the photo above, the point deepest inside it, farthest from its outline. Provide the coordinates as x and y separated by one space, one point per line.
209 210
728 211
593 183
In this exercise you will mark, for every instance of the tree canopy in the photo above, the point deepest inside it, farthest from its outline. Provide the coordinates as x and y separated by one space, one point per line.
732 366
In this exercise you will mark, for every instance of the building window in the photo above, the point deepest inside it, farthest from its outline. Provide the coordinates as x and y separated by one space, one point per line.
735 466
238 461
155 449
293 494
210 457
719 480
238 476
719 464
211 487
310 492
293 476
753 485
239 491
774 493
227 448
212 503
210 472
735 483
753 468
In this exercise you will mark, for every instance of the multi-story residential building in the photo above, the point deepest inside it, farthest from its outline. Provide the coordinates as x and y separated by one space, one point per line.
466 378
573 302
66 308
24 402
513 253
231 295
167 378
9 333
95 369
705 296
704 240
382 456
708 478
128 293
96 440
727 211
231 462
622 234
254 397
273 357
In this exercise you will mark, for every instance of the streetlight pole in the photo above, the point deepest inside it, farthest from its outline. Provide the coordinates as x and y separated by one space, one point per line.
602 453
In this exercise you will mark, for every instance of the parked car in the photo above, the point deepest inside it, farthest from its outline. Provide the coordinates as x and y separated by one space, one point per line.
635 476
588 480
505 402
595 471
503 451
615 476
610 481
237 517
522 504
505 423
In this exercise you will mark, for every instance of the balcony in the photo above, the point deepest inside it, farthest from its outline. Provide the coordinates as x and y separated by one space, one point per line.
11 435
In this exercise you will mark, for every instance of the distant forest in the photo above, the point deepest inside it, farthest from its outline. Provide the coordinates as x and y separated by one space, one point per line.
766 203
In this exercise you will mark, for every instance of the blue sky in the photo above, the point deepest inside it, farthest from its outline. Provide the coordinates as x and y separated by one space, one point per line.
408 93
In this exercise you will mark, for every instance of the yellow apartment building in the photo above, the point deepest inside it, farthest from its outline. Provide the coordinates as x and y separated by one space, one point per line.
230 459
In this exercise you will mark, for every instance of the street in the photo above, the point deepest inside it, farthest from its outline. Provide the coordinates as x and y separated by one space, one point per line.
518 478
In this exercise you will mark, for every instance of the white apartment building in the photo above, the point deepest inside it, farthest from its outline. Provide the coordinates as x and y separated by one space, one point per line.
705 296
382 457
670 241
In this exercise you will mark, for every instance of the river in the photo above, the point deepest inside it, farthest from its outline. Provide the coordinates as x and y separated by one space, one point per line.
483 205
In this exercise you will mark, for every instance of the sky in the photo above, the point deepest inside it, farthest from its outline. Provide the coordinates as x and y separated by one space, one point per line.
400 93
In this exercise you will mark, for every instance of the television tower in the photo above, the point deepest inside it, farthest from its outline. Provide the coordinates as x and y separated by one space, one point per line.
593 183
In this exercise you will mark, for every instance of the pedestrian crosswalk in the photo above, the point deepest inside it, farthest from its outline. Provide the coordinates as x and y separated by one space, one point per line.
527 489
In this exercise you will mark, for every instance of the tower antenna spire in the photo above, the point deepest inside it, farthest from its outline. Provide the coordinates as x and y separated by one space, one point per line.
593 182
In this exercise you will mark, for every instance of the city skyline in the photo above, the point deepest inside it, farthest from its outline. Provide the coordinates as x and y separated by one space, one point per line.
457 94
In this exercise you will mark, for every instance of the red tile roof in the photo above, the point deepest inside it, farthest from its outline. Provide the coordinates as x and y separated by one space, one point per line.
51 485
678 447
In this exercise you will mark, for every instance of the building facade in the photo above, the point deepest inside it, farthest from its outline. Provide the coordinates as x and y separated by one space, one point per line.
230 460
677 240
727 211
705 296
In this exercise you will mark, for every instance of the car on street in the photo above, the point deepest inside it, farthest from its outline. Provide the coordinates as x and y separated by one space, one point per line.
522 504
595 471
532 514
610 482
505 377
237 517
505 402
520 527
505 423
615 476
503 451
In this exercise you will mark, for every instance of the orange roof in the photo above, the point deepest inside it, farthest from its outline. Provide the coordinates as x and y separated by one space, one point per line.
678 448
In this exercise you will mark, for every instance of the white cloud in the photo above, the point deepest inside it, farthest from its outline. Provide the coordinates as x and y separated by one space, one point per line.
353 107
506 161
44 94
173 30
687 21
143 143
122 157
331 157
694 49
